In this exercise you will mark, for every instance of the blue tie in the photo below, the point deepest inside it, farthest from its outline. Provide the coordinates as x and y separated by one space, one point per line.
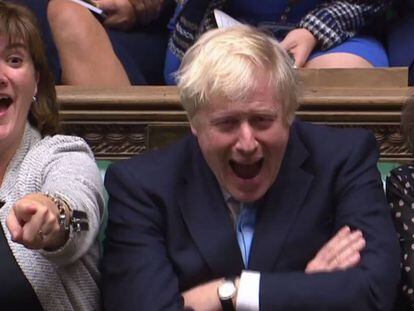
245 229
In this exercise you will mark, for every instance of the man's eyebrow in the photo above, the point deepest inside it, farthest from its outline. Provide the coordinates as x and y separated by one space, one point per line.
274 111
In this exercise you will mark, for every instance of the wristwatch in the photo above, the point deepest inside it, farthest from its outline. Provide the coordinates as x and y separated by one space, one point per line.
226 292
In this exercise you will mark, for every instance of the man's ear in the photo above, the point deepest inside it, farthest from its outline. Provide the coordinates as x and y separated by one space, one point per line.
193 124
193 129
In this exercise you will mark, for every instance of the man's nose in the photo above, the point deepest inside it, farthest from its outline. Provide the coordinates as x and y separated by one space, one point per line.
246 142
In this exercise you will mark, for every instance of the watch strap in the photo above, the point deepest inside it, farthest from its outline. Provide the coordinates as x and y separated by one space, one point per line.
227 305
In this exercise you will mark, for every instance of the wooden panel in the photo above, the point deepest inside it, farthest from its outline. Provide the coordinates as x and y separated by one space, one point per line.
111 141
118 123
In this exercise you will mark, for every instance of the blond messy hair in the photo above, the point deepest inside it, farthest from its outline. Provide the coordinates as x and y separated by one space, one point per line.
226 63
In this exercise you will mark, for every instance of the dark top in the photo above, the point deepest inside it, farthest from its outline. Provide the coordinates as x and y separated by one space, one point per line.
16 293
400 194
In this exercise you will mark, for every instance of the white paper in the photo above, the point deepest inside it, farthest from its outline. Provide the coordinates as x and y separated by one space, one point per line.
90 7
224 20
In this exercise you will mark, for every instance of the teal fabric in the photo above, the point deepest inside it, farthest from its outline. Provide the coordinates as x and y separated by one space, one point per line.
385 168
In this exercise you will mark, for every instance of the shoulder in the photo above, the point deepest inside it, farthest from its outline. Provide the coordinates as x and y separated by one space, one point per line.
404 171
62 143
336 149
401 176
159 166
330 139
62 148
60 153
400 191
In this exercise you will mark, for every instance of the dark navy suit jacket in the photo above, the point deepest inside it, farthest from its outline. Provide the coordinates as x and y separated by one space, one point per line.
169 227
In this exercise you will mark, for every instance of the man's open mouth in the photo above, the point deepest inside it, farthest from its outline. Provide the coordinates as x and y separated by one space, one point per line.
5 102
246 171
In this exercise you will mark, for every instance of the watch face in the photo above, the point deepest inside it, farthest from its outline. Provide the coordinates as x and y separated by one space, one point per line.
227 290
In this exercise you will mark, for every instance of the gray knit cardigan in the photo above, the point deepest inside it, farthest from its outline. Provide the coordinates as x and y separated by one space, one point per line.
68 278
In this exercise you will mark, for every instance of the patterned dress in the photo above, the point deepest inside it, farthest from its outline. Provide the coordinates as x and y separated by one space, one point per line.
400 194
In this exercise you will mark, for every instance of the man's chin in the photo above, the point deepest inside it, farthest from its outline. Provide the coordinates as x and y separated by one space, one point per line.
246 190
247 195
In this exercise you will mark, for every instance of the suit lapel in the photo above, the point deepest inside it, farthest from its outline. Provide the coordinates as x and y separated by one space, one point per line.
279 208
207 218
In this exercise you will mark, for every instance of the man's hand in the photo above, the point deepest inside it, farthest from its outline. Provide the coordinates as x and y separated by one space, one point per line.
300 43
147 10
121 13
33 222
124 14
339 253
203 297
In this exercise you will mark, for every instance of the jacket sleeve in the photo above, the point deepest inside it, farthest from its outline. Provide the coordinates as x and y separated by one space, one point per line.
72 174
400 194
137 271
359 203
333 22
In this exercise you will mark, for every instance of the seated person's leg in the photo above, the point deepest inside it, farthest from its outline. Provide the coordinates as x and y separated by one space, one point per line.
144 47
357 52
400 41
338 60
85 51
141 53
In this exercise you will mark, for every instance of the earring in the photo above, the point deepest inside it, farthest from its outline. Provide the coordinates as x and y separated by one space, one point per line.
34 100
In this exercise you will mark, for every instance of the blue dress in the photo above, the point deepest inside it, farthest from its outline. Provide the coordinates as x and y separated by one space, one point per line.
267 14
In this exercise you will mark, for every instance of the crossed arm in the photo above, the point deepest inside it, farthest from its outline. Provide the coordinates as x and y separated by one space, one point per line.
339 253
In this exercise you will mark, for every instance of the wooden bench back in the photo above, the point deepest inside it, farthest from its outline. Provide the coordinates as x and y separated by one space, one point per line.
121 122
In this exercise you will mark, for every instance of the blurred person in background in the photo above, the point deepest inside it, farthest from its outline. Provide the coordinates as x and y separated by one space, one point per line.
400 194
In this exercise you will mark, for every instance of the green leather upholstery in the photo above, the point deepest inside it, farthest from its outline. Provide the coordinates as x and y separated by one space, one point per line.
385 168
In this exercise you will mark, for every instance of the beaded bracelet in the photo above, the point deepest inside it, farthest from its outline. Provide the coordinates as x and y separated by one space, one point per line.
63 220
78 220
